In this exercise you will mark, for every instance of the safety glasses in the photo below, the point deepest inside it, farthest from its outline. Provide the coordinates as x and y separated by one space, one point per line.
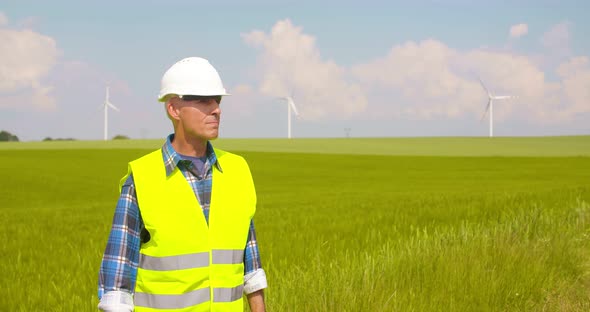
201 98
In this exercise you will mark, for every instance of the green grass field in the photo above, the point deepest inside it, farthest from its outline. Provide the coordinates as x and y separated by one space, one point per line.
436 224
443 146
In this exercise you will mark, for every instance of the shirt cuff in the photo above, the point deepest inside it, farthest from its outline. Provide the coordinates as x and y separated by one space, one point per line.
116 301
254 281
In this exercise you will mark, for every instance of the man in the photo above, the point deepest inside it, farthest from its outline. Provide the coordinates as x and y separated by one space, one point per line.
182 237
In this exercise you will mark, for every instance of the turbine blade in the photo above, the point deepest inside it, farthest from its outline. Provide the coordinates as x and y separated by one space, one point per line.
486 111
292 104
504 97
109 104
484 87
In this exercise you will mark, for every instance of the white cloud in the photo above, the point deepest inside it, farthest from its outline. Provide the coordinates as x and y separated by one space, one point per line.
290 62
557 39
575 75
27 57
3 19
242 88
427 79
573 66
416 79
420 80
518 30
239 104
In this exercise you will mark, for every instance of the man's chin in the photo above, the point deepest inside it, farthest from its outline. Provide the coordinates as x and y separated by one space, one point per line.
213 136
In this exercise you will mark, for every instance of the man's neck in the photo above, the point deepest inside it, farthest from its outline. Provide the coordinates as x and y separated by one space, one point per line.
195 147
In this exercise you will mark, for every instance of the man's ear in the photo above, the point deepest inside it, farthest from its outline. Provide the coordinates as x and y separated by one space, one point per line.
172 109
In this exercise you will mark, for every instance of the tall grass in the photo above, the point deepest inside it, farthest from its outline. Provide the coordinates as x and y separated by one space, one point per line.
533 260
336 232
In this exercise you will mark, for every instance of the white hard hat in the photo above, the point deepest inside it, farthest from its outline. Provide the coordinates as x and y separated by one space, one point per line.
191 76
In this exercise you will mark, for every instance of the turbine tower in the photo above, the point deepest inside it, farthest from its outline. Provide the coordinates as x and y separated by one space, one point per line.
290 106
106 106
490 106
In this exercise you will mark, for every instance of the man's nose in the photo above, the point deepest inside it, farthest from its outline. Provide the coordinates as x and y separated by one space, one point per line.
216 109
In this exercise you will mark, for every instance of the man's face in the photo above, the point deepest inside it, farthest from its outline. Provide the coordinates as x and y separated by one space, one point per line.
197 116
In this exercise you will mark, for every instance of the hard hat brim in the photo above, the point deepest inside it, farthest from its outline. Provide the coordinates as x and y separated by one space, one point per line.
162 98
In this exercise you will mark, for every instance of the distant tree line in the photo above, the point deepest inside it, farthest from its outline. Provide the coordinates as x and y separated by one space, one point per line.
58 139
117 137
6 136
120 137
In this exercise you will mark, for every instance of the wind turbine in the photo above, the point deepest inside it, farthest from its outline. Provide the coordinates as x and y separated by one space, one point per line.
290 106
106 106
490 106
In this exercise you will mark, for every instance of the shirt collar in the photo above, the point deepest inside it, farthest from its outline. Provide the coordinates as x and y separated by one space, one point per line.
172 158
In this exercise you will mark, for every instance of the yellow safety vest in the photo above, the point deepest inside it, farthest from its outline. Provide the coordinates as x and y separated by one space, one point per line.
187 265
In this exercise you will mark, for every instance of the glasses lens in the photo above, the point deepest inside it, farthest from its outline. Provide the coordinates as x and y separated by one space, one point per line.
201 98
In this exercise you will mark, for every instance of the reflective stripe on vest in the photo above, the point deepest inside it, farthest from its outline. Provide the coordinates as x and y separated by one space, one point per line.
172 301
190 261
227 294
189 299
187 264
228 256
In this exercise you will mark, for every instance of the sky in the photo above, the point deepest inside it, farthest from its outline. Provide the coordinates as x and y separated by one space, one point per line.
353 68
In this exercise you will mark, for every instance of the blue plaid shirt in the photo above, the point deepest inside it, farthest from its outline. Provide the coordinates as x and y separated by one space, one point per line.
118 271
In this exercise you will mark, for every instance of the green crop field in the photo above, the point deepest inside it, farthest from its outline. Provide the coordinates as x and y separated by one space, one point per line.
443 146
417 224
